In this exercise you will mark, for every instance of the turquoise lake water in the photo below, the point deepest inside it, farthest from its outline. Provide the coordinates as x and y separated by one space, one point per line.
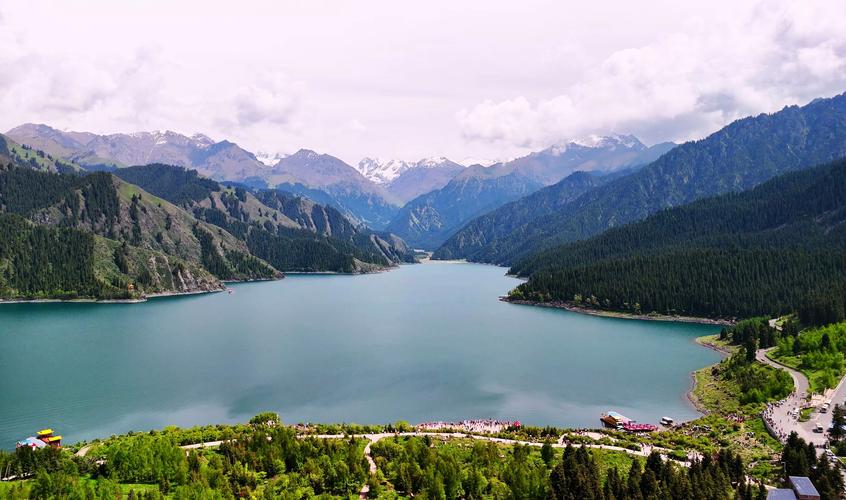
422 342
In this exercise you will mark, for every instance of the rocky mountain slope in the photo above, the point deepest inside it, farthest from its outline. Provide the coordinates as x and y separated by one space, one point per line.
737 157
348 190
219 160
432 218
270 221
425 176
186 235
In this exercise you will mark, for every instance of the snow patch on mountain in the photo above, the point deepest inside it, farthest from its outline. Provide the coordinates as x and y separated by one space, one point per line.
269 159
383 171
485 162
612 141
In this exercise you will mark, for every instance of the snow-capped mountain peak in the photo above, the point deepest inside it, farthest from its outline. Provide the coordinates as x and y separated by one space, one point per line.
432 162
382 171
609 141
269 159
485 162
202 139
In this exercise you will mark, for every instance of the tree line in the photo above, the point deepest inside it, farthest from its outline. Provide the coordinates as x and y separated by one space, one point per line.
772 250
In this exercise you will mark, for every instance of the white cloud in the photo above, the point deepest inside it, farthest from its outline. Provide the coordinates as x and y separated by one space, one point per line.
684 85
477 78
272 99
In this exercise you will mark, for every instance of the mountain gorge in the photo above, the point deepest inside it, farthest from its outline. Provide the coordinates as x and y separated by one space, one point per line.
737 157
429 220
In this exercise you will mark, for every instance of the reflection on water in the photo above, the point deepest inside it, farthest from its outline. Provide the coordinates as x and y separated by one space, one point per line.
422 342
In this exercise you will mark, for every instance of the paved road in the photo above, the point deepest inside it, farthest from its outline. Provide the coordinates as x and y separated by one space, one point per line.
782 417
786 423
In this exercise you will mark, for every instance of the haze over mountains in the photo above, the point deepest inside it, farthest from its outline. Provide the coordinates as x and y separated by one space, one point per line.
424 201
427 221
735 158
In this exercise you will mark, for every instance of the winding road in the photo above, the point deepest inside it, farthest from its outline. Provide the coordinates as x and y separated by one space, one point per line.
785 423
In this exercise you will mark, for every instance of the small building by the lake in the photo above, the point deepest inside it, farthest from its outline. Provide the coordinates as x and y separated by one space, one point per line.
45 437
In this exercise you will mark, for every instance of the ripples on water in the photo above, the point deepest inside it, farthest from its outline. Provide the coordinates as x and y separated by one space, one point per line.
423 342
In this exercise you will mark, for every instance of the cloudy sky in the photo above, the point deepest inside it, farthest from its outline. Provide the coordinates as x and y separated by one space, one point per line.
464 79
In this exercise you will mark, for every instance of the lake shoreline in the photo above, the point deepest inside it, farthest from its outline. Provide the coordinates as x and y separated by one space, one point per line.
139 300
620 315
704 341
157 295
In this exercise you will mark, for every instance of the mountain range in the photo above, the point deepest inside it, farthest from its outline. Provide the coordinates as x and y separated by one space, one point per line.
429 220
762 251
372 200
408 180
222 160
737 157
160 228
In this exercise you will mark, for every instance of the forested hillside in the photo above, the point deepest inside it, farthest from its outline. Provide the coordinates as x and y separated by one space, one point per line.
98 236
471 242
765 251
140 244
738 157
19 154
291 233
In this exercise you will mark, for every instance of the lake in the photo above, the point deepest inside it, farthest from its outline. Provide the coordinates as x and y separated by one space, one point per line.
422 342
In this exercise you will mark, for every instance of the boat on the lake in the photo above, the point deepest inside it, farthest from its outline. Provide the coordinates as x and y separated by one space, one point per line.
614 420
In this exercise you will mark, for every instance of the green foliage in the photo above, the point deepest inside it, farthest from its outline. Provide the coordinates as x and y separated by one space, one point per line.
177 185
757 383
824 307
266 418
451 470
820 352
145 459
38 261
800 459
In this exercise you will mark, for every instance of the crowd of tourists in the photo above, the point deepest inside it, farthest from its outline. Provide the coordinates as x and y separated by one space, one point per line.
780 422
475 425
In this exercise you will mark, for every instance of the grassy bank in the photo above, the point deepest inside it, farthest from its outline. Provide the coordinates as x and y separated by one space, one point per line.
819 353
732 419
